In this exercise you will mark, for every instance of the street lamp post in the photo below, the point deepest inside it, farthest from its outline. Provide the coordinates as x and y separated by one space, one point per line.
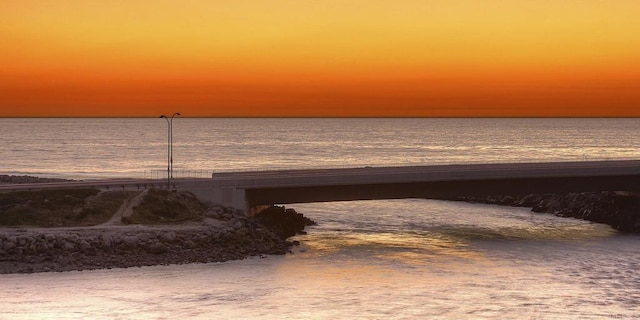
171 142
169 147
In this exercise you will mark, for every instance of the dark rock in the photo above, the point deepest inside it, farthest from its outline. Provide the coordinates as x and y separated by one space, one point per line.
130 241
158 248
619 210
69 246
168 236
283 222
144 237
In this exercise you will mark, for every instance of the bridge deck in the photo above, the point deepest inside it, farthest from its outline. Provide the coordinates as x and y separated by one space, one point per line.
245 190
364 175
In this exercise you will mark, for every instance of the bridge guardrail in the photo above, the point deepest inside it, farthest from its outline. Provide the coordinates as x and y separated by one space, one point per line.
209 173
177 174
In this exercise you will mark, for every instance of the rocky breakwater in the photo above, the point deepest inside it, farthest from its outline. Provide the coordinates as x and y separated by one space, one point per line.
620 210
11 179
224 234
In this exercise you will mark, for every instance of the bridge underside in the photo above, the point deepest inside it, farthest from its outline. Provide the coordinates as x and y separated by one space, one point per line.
439 189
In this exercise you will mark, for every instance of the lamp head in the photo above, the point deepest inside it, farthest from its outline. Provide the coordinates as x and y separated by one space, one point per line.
163 116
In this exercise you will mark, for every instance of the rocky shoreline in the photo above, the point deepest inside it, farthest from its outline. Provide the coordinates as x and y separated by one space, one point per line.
228 234
225 234
10 179
620 210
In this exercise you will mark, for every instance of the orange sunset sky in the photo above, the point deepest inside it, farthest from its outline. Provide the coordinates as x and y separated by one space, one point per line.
320 58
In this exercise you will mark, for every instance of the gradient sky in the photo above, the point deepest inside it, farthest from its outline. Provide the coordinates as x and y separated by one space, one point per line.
320 58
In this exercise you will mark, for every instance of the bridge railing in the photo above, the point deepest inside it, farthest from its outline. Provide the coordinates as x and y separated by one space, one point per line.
321 166
177 174
230 168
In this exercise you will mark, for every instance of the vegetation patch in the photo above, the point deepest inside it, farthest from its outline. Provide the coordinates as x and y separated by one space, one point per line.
163 206
59 207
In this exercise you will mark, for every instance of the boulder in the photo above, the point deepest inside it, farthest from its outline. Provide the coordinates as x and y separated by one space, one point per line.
69 246
144 237
130 241
168 237
283 222
8 245
157 248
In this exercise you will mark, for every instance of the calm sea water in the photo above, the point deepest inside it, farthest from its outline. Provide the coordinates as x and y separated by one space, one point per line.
99 148
400 259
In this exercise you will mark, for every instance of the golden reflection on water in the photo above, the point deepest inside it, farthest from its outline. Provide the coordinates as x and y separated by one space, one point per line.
398 248
580 231
444 246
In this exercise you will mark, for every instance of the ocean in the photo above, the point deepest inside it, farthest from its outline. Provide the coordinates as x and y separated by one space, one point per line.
392 259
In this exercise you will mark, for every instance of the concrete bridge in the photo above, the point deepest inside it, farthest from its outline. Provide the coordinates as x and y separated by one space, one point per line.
251 191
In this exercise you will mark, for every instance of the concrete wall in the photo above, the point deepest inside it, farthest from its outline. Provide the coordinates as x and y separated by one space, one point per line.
228 196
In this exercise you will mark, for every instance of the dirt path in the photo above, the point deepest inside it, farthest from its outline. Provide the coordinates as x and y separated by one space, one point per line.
125 210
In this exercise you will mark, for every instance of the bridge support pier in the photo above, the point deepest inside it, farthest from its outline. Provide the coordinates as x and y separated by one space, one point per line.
227 196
